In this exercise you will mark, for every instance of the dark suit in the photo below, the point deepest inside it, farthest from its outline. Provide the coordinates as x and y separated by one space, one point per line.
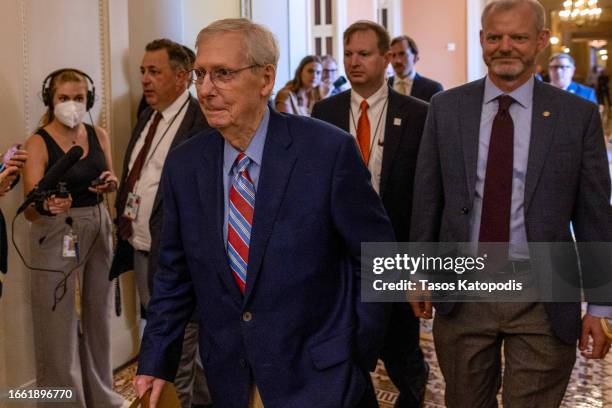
300 331
193 122
567 179
401 353
422 87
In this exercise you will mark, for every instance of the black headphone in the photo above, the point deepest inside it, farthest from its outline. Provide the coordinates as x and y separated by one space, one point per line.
46 87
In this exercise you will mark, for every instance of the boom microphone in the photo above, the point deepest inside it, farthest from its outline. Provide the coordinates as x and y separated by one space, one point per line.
53 176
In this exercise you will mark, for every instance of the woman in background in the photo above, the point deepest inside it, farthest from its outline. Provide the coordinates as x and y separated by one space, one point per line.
70 240
300 94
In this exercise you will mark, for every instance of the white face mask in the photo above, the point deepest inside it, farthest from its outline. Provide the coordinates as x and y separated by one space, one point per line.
70 113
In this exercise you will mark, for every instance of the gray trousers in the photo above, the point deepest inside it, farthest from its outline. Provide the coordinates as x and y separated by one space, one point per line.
190 381
537 365
64 356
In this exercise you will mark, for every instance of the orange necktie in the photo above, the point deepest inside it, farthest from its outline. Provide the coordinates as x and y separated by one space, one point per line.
363 132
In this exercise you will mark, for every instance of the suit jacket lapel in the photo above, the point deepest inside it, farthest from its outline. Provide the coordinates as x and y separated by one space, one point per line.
393 134
140 125
416 86
471 104
277 163
210 187
186 125
541 137
343 117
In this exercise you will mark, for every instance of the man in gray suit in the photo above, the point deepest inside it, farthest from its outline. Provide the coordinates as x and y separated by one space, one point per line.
172 117
510 159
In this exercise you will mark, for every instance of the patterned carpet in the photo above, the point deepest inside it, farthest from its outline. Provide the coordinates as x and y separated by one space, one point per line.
590 386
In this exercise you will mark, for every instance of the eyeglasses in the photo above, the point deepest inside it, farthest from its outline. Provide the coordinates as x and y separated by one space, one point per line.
327 71
556 67
220 77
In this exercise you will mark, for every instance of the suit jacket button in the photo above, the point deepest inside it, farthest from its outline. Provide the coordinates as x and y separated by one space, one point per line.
465 210
247 316
242 362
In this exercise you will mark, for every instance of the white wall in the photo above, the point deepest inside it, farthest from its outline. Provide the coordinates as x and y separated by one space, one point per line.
476 68
274 14
149 20
197 14
299 33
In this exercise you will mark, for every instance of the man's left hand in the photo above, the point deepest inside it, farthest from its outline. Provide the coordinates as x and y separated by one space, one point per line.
591 327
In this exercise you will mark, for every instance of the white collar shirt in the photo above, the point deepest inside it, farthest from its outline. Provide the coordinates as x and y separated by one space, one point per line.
146 187
377 113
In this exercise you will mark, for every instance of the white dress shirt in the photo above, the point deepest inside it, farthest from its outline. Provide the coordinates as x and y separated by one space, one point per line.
377 113
146 187
406 83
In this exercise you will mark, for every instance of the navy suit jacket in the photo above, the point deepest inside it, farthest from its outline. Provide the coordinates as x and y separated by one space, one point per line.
423 88
583 91
300 331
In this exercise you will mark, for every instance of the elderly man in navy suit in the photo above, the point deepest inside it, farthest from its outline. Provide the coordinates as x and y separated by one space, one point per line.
263 223
561 68
513 160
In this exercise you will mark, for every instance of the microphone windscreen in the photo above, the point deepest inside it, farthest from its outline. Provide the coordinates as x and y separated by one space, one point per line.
55 173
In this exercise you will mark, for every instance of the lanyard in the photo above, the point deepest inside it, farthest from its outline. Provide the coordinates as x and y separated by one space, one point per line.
159 141
164 134
382 112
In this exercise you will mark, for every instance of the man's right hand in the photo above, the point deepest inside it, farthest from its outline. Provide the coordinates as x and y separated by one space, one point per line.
422 309
142 383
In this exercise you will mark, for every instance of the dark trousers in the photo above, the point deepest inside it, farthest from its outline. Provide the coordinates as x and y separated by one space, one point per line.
403 357
369 396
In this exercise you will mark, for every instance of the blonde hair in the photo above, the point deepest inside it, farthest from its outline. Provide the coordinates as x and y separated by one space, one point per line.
506 5
67 75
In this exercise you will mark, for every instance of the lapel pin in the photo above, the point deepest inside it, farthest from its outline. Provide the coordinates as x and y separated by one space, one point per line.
546 114
397 122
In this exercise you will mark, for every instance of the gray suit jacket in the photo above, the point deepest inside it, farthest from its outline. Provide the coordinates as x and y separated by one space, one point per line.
193 122
567 180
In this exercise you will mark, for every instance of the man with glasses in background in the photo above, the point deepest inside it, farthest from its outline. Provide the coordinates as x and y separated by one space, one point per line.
172 117
561 69
330 76
263 223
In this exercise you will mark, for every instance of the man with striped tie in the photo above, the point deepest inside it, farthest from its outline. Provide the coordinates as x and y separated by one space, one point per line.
263 223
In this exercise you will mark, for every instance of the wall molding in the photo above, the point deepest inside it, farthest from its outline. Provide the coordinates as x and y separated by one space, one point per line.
26 66
246 9
105 118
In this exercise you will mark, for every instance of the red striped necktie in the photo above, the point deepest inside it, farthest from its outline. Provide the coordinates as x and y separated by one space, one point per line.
240 220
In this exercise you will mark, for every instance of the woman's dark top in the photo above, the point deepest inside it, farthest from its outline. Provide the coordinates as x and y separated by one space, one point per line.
79 176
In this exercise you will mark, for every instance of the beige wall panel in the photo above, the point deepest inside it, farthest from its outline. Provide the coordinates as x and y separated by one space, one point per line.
433 25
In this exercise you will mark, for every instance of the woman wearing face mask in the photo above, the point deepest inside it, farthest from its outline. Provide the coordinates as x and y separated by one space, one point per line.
300 94
70 239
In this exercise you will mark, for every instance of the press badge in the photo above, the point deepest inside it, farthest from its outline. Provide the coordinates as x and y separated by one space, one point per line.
69 247
131 206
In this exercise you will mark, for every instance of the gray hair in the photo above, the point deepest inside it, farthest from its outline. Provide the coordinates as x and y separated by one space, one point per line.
506 5
562 55
261 46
